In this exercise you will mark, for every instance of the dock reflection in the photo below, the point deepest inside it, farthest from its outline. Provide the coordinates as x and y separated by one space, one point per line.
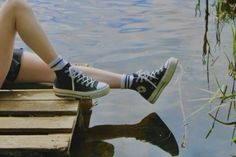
150 129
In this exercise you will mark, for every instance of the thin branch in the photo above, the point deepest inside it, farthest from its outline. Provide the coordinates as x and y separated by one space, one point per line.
219 121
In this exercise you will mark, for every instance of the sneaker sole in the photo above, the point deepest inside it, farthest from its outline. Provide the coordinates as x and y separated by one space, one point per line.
81 95
165 80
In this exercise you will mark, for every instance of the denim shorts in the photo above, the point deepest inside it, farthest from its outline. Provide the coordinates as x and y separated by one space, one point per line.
15 65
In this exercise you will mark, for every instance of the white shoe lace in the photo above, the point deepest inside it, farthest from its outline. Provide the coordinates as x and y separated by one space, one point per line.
147 75
157 72
78 77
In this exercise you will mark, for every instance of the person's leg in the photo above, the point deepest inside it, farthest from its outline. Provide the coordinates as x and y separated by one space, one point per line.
149 84
31 32
32 68
111 78
70 81
7 36
17 16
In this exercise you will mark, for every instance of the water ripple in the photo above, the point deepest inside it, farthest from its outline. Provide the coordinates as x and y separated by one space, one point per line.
125 35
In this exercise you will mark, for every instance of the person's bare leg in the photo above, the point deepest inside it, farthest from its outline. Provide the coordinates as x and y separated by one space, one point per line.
7 36
32 68
22 20
33 35
31 32
149 85
17 16
113 79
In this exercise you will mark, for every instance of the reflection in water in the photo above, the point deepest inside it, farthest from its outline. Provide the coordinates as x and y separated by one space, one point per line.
197 8
206 44
150 129
225 13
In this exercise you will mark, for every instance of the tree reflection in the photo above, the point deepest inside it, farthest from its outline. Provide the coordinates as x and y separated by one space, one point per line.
225 13
206 44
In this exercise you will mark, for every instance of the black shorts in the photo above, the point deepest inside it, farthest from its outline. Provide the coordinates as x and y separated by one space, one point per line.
15 65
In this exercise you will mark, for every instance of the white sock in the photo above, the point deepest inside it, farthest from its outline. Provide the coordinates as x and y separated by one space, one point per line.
126 81
58 63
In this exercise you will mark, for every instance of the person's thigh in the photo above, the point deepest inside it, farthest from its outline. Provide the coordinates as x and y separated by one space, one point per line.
7 36
33 69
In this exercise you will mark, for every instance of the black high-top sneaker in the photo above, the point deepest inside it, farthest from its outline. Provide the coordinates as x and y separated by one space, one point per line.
151 84
77 85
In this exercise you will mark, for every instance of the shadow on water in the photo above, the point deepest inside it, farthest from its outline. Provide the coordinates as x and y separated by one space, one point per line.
150 129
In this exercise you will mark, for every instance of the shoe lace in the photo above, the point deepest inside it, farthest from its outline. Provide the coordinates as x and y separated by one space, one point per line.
145 75
149 76
78 77
157 72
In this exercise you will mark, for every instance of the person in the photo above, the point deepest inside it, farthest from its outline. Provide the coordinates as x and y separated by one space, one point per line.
16 16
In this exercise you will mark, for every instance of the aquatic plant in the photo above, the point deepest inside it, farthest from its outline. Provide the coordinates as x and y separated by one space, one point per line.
226 10
226 98
231 63
234 41
225 13
234 139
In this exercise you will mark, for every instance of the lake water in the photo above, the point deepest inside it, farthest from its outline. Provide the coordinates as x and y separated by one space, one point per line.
127 35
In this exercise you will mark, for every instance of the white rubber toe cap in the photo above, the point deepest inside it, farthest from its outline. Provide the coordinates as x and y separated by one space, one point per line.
102 85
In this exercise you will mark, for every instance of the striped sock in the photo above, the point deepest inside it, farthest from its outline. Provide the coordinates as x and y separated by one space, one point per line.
58 63
126 81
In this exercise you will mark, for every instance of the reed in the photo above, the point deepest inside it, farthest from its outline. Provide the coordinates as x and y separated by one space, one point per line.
226 10
225 96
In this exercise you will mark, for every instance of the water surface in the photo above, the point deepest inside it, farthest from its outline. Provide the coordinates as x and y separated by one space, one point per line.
127 35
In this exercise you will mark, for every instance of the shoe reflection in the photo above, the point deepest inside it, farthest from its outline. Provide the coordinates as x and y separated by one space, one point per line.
150 129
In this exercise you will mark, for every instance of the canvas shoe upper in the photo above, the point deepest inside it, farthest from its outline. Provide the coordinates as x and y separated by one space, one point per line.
79 85
151 84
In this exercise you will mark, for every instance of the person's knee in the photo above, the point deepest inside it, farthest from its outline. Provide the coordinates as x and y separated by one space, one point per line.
18 5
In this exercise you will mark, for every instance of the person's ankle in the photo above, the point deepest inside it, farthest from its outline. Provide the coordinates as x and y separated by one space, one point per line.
64 72
63 78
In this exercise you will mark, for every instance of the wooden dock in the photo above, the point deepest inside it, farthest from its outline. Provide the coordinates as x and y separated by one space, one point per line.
35 122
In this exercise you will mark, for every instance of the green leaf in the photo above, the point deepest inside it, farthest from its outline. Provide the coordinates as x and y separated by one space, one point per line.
234 40
220 93
234 139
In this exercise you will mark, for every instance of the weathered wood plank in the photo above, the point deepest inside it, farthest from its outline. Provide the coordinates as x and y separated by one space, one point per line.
10 85
22 135
31 95
36 125
40 142
38 105
39 108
